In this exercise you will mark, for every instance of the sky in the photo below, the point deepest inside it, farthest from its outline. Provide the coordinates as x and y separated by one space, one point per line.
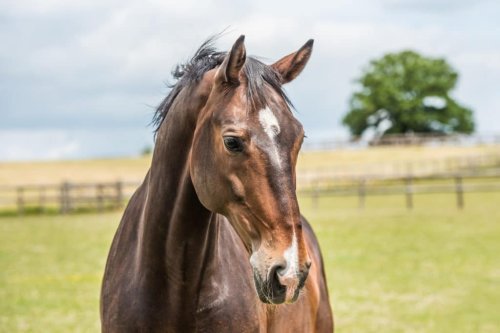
81 78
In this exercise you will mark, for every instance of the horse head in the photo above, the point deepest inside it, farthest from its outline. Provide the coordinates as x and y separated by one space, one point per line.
242 164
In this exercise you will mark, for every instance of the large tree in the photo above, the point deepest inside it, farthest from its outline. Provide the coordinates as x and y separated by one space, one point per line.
406 92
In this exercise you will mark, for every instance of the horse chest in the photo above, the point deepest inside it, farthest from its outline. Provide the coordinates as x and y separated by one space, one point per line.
228 303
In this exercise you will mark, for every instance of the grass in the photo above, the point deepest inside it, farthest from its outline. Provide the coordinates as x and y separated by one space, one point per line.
51 269
434 269
50 272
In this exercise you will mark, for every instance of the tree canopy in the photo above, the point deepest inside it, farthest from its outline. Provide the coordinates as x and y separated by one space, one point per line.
406 92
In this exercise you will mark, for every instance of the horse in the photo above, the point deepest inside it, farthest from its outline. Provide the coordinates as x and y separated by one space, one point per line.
213 239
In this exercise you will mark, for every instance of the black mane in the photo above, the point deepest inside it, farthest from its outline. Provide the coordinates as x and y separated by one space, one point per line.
206 58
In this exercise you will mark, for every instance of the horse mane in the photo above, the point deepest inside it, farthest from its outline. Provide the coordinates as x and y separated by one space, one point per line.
207 57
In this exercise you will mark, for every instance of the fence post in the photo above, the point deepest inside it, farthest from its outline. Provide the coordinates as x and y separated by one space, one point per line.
20 200
65 205
100 197
41 199
119 193
460 192
409 192
362 193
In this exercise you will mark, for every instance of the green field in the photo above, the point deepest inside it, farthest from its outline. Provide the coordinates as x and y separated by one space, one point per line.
434 269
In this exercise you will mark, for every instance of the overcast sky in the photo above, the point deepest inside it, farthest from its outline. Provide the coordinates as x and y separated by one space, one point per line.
81 78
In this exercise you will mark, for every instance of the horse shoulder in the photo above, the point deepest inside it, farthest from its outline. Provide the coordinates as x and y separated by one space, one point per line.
227 300
316 283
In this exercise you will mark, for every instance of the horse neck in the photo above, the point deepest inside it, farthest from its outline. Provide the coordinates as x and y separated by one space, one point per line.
175 231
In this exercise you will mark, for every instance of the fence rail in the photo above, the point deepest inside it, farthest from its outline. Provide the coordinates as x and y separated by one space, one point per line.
66 197
70 197
407 187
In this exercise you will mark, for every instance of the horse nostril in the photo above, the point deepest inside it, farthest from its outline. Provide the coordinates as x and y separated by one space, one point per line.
276 271
275 279
308 264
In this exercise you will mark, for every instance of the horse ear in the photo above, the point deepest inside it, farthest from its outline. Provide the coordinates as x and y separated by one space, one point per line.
229 70
290 66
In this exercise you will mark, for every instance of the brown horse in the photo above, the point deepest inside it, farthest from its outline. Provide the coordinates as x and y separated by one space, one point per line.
213 239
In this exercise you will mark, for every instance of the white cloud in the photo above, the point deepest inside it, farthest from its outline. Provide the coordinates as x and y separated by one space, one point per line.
88 64
28 145
54 144
432 6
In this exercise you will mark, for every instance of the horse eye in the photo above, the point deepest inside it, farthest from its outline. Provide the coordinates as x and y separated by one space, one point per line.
233 144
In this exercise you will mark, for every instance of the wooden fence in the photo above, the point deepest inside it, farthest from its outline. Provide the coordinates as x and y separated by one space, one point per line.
406 187
73 197
66 197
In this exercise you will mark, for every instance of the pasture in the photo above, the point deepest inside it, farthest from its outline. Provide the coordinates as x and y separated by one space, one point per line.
434 269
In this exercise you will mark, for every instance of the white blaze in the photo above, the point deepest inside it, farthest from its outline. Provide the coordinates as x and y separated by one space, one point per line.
271 127
292 258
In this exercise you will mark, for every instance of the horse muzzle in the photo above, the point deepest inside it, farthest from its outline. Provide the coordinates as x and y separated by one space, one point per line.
278 288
